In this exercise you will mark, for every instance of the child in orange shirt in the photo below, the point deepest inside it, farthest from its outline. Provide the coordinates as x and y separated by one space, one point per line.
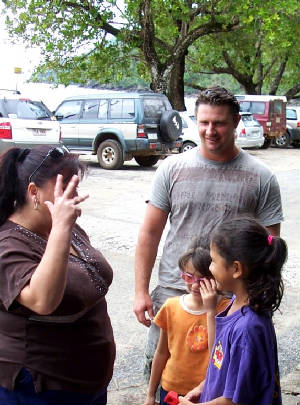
186 329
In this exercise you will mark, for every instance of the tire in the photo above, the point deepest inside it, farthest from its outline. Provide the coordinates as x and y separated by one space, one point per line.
187 146
266 144
170 125
147 161
283 141
110 155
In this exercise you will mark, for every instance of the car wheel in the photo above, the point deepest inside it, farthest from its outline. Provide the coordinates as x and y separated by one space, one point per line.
187 146
266 143
147 161
170 125
283 141
110 155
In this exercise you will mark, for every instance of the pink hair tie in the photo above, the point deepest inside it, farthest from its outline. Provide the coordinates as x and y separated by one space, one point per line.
270 239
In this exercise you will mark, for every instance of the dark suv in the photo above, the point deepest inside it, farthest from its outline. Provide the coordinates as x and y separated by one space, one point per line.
120 126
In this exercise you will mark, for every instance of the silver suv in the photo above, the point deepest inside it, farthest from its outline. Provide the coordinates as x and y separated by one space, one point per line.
26 123
120 126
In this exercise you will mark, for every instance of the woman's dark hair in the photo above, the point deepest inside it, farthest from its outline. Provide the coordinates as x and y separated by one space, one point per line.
245 240
217 95
16 165
200 259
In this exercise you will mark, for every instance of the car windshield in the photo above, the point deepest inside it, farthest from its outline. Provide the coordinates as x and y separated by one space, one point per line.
249 121
26 109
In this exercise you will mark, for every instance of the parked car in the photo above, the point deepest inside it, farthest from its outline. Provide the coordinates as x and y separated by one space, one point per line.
292 134
26 123
120 126
270 112
190 137
249 132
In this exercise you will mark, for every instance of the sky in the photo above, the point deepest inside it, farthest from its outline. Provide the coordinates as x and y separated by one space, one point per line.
15 55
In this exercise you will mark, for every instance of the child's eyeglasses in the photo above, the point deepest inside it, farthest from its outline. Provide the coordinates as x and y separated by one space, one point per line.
54 153
190 278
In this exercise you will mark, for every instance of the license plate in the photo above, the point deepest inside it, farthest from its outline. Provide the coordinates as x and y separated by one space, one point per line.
152 136
39 131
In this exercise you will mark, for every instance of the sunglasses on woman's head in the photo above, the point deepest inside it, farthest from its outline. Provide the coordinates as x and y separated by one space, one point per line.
190 278
54 153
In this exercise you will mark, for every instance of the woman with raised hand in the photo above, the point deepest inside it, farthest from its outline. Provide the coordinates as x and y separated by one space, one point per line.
56 339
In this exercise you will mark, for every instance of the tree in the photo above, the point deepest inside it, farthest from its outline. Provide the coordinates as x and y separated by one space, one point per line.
84 39
262 55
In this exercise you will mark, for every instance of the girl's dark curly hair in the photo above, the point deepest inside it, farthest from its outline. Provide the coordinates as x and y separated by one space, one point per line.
243 239
17 164
200 259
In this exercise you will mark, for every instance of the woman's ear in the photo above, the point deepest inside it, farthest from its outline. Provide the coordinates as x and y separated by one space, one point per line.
32 192
237 270
32 189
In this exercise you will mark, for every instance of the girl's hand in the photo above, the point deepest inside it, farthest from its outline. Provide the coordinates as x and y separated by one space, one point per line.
194 394
64 209
208 291
184 401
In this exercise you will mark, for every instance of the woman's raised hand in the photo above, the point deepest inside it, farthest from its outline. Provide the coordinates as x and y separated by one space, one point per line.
65 207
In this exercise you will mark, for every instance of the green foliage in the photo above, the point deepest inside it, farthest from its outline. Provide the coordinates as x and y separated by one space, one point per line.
106 42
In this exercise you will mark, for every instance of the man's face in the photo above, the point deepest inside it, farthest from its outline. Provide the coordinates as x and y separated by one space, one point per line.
216 125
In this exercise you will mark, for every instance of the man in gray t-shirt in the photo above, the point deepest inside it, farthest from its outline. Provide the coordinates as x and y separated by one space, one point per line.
197 190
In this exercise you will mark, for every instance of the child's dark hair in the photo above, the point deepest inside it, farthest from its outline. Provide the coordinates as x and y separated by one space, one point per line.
217 95
245 240
17 164
200 259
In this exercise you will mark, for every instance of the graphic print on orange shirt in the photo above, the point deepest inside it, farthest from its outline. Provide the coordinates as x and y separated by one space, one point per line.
197 338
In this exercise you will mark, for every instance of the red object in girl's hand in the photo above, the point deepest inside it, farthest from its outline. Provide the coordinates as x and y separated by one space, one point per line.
171 398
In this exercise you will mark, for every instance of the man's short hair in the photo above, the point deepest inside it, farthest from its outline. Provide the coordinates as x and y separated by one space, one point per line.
218 95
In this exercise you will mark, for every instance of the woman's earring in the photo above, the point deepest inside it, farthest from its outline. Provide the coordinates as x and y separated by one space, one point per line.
35 203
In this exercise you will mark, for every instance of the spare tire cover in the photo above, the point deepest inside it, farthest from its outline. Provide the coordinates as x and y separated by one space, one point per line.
170 125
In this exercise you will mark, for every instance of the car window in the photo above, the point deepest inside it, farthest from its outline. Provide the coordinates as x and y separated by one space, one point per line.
184 124
69 110
291 114
103 108
153 107
255 107
122 108
277 106
90 109
25 109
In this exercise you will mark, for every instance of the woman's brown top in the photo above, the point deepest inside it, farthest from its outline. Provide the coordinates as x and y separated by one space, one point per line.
72 349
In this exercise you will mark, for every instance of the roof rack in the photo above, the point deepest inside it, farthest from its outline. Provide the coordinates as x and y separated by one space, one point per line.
13 91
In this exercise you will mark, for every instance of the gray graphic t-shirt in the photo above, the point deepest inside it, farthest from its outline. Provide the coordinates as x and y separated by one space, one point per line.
199 193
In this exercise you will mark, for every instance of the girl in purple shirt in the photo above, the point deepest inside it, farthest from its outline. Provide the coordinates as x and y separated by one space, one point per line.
243 367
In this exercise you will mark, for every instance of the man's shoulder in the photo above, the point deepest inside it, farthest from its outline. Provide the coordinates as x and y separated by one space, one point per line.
253 163
184 159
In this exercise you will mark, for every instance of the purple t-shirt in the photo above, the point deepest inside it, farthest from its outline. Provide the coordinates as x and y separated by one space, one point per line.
244 365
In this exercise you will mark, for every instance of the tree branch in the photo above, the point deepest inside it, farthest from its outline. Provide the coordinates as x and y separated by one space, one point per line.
278 76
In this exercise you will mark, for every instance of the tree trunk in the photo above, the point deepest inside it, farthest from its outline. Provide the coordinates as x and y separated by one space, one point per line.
175 86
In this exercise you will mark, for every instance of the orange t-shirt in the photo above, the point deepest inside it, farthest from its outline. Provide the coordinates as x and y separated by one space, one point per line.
187 344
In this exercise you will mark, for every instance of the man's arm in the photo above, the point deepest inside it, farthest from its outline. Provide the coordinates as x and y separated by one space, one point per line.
145 255
274 229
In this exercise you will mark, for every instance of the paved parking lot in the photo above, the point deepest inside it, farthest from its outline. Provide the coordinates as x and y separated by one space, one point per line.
112 216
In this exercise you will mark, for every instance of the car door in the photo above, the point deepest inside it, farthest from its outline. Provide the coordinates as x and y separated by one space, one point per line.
68 115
